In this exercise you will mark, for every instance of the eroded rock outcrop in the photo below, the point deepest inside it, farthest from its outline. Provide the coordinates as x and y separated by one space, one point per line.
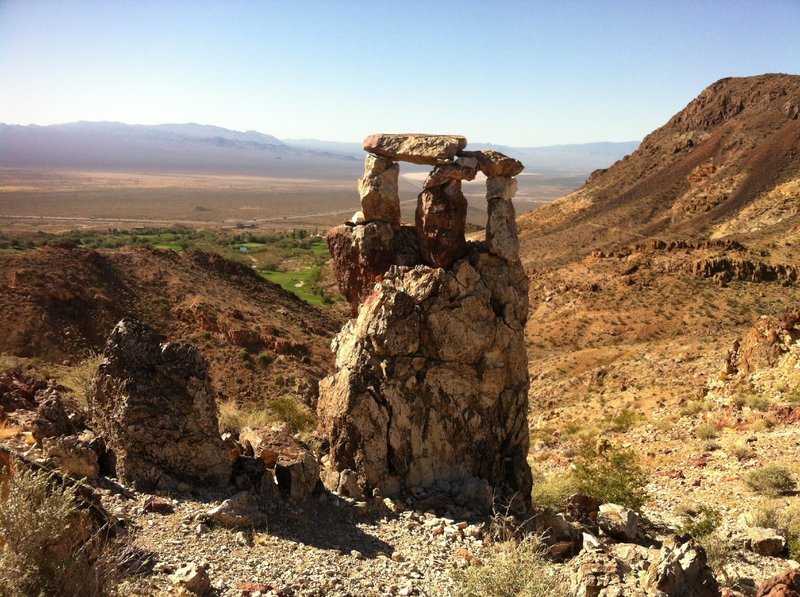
431 376
153 403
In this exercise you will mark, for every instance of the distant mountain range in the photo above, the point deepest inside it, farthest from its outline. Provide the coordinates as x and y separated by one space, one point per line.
203 148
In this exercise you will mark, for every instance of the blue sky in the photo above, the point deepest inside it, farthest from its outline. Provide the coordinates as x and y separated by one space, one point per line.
509 72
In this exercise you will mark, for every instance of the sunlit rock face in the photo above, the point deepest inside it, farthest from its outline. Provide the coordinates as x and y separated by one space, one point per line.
431 376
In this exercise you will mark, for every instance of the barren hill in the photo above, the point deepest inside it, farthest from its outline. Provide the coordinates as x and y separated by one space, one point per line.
59 303
642 284
727 164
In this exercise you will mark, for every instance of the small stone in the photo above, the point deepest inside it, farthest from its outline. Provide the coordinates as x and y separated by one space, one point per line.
192 578
202 529
238 511
356 554
158 504
398 557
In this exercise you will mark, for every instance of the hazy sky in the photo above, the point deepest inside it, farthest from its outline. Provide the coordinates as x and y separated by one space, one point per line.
509 72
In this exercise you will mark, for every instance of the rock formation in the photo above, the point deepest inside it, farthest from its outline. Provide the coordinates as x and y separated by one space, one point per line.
153 404
431 376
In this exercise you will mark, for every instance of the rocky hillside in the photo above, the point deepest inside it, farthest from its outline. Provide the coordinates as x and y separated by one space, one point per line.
645 285
726 165
59 304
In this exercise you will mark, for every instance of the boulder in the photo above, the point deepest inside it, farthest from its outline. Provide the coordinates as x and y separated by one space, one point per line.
431 381
785 584
618 522
494 163
239 511
681 570
153 403
362 254
763 344
447 172
441 219
51 419
192 579
415 148
296 467
763 541
73 455
378 191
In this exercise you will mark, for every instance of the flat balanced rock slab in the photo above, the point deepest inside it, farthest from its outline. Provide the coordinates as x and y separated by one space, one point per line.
415 148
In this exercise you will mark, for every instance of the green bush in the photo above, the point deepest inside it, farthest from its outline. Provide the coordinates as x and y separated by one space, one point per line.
51 547
551 491
702 523
619 479
288 410
706 431
786 520
771 480
515 569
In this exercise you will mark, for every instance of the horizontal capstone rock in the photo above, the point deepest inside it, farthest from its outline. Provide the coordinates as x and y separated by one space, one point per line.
415 148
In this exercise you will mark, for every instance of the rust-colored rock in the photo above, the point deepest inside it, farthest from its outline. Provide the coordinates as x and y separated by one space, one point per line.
786 584
447 172
441 219
494 163
362 254
415 148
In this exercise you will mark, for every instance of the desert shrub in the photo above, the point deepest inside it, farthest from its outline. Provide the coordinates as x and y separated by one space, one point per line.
622 421
758 402
233 417
298 417
695 407
718 553
551 491
740 450
703 522
786 520
772 480
51 547
705 431
79 378
264 359
617 478
762 424
514 569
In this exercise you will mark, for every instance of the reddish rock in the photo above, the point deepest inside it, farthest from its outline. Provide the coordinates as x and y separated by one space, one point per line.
441 219
362 254
786 584
158 504
415 148
447 172
494 163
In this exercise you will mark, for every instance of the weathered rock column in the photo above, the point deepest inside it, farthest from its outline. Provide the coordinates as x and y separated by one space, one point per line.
153 403
378 191
441 216
431 380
